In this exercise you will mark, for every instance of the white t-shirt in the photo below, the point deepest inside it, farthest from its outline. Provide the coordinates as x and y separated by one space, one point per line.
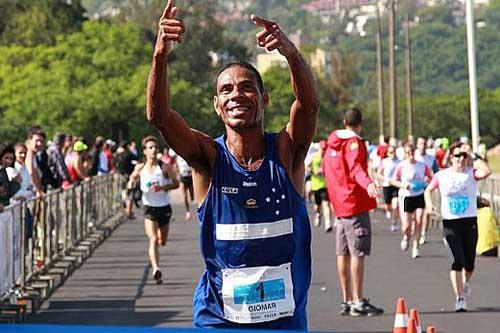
388 166
458 193
413 174
148 180
26 189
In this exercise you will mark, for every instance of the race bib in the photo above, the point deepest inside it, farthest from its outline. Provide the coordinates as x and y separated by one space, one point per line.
257 294
458 204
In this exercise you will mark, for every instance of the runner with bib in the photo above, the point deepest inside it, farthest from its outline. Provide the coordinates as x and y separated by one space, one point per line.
458 190
155 179
248 184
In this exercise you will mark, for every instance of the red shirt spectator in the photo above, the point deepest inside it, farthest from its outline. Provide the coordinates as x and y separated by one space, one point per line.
345 168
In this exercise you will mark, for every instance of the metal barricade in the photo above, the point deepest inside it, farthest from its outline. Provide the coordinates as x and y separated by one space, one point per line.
35 233
11 244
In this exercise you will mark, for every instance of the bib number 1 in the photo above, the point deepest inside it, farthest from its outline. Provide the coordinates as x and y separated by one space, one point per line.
257 294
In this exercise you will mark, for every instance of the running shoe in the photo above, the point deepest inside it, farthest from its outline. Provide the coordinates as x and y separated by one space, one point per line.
404 244
329 229
317 220
467 290
415 253
188 216
157 276
388 215
421 241
345 308
394 228
460 305
364 308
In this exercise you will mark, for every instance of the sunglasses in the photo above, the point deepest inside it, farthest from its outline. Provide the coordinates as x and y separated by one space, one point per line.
462 154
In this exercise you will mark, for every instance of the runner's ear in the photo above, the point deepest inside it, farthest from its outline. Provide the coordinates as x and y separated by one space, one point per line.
215 106
265 98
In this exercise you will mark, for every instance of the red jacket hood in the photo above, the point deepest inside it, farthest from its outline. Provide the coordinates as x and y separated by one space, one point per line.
339 136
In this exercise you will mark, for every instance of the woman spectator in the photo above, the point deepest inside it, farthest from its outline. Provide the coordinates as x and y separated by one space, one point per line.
9 178
76 166
458 189
25 192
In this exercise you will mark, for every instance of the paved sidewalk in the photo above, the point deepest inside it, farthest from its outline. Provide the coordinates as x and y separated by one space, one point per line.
114 286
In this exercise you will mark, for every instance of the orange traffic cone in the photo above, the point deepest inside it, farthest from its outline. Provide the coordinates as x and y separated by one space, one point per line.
431 329
414 315
412 326
401 317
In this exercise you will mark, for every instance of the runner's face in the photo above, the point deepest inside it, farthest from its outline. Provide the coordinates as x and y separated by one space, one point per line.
150 150
391 153
410 154
239 102
421 145
459 159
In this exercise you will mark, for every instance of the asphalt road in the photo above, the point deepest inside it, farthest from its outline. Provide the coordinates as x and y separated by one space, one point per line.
114 286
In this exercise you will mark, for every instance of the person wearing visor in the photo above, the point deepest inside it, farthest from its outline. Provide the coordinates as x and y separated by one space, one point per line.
458 191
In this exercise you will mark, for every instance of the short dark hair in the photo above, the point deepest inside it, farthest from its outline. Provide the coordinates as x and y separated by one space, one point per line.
36 130
352 117
59 138
260 82
410 146
455 145
6 148
147 139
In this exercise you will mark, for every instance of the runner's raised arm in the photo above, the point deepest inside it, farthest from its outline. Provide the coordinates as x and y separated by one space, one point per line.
192 145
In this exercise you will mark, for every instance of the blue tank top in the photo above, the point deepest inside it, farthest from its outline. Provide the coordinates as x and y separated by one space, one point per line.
256 244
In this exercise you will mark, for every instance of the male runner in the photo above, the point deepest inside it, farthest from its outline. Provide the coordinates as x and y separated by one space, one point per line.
156 179
255 232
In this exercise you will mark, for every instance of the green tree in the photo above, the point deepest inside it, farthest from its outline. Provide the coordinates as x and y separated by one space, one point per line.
31 23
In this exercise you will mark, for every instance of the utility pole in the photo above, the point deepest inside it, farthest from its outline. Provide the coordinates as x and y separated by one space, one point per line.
409 90
392 71
380 77
471 52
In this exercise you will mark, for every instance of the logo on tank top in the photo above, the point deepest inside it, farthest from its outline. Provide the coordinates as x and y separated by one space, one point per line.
229 190
249 184
251 203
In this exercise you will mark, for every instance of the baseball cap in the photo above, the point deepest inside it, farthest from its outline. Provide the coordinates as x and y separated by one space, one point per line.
79 146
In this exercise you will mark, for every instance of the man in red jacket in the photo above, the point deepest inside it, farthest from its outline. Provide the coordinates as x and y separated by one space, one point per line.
352 194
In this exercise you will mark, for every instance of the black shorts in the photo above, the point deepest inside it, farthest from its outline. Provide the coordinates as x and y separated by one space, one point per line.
390 192
161 215
320 195
460 236
188 181
411 204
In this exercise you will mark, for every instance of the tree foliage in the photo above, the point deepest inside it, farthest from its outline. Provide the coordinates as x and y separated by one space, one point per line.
30 23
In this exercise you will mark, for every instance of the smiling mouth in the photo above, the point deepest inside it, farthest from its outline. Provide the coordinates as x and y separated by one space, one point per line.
238 110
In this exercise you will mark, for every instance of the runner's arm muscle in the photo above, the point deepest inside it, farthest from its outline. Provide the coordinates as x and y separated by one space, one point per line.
197 148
